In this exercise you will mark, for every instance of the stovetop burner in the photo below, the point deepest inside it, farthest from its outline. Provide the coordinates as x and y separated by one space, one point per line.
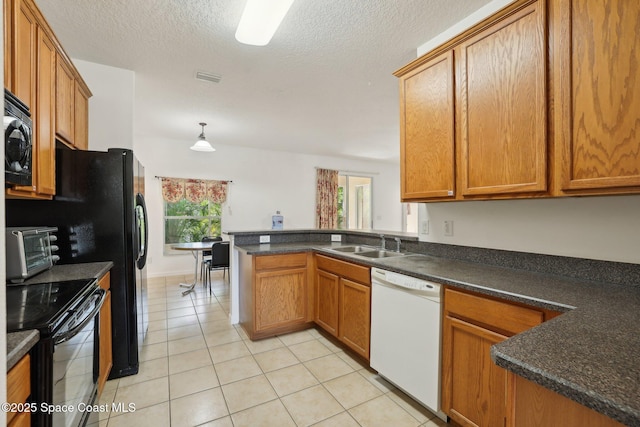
43 305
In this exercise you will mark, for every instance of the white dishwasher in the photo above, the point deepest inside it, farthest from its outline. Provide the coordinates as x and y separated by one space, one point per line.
405 335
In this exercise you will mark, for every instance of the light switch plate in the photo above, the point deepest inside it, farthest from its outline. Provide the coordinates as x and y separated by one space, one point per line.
265 239
336 237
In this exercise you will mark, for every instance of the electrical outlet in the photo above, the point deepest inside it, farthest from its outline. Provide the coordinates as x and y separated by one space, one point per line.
336 237
424 227
448 228
265 239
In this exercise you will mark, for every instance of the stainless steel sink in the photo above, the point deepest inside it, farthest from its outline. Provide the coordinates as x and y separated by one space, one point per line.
380 254
353 249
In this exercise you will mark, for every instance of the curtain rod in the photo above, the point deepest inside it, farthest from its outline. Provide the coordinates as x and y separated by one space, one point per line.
351 172
224 180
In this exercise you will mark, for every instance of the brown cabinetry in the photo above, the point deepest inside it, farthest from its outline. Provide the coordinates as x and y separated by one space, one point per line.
327 301
546 104
18 391
106 357
532 405
343 302
490 139
275 295
33 60
502 106
427 149
474 389
64 100
44 138
72 97
597 95
81 116
28 67
20 59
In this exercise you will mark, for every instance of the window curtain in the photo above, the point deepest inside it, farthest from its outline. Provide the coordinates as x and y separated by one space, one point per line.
326 198
194 190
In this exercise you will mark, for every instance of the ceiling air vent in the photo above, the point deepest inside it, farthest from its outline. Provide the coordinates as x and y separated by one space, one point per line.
208 77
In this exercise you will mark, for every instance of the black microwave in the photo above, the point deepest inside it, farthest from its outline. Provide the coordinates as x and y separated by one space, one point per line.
18 142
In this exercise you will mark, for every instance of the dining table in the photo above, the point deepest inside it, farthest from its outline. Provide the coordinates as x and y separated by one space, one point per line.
196 249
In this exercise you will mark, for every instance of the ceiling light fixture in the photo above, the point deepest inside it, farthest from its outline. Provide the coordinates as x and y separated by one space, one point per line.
260 20
202 144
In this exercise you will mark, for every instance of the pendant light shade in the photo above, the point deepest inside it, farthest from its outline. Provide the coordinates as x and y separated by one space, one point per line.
202 144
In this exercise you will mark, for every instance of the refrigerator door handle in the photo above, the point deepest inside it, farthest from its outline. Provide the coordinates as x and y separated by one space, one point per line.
142 235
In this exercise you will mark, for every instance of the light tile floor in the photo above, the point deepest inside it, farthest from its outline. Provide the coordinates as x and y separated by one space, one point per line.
198 369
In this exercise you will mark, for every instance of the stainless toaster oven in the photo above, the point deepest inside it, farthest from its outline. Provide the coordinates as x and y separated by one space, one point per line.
29 251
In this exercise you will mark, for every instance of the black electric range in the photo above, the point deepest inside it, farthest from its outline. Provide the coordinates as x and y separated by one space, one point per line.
44 306
67 316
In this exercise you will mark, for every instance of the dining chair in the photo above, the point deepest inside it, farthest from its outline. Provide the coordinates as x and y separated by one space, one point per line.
219 260
206 255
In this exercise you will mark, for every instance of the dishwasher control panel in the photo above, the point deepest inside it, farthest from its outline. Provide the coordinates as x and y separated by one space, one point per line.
403 281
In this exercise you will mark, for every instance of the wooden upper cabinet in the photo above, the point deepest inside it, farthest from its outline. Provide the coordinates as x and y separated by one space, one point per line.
427 147
81 116
23 53
40 74
501 93
31 64
597 95
8 59
72 106
45 148
65 92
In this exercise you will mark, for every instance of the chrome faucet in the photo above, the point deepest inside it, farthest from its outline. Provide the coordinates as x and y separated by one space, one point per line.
398 241
382 242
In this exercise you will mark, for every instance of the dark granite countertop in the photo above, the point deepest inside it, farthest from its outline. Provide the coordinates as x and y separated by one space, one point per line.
589 354
19 344
59 273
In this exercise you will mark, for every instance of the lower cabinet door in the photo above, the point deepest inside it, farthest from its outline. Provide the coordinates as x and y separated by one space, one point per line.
532 405
327 294
280 298
355 316
474 388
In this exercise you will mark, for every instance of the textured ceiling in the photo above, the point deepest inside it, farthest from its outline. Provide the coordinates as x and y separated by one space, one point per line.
323 85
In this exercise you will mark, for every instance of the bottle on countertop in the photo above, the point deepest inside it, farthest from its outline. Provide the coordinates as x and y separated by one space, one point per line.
277 221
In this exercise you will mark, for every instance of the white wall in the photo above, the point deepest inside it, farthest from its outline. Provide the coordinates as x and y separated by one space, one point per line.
263 181
603 228
111 114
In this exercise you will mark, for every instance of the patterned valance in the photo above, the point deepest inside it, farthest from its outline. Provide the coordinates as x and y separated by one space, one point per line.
194 190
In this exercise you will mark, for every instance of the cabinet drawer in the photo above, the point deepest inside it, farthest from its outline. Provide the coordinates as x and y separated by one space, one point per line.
501 316
345 269
267 262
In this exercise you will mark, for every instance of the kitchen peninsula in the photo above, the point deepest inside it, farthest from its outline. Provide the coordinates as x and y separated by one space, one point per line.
587 354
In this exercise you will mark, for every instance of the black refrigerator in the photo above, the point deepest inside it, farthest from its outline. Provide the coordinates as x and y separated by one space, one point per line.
100 213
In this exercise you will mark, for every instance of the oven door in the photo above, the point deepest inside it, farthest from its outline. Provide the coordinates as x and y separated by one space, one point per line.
76 359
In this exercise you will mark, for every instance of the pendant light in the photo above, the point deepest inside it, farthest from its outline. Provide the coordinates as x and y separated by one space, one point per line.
202 144
260 20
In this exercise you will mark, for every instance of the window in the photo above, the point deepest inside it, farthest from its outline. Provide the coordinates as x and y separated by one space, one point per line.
186 221
354 202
